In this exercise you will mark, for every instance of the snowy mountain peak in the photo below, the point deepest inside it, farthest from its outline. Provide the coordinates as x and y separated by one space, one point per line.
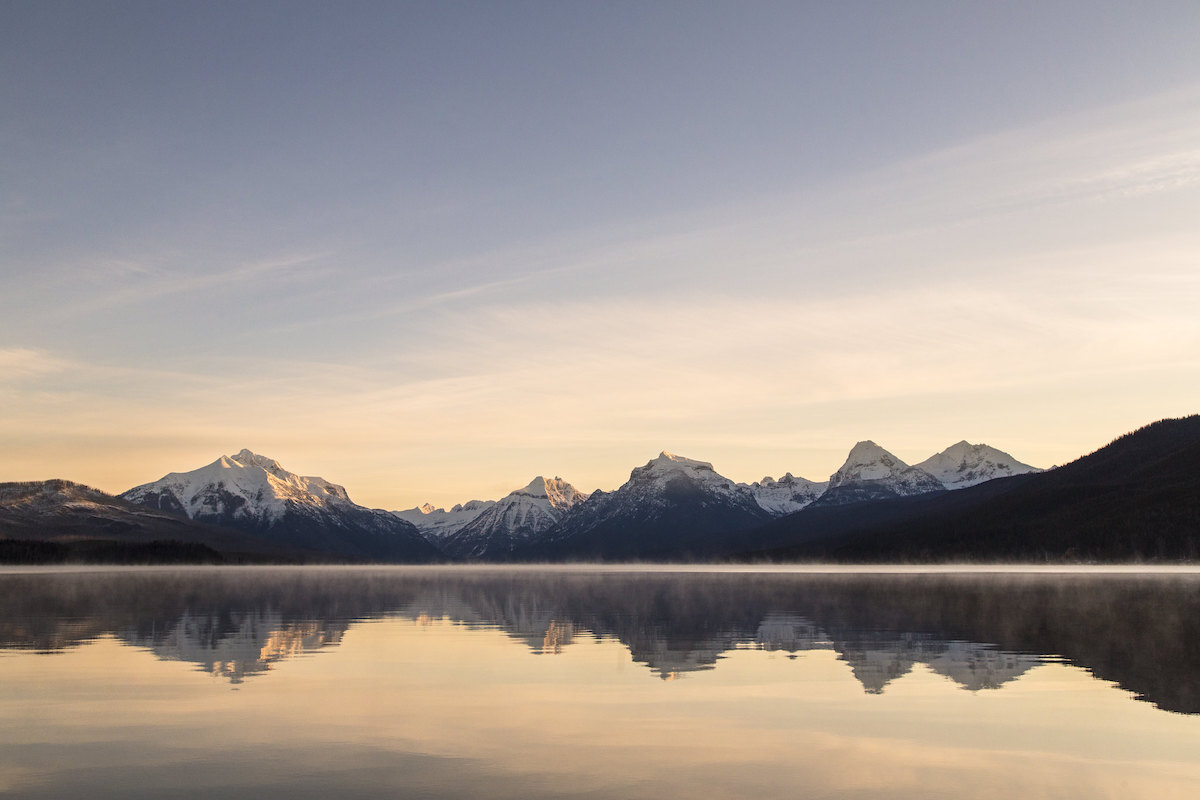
867 461
555 491
514 519
535 488
786 495
964 464
436 523
248 459
670 461
670 504
788 479
256 493
246 487
872 473
669 468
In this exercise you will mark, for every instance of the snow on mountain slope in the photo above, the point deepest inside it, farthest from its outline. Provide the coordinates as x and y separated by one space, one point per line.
514 519
438 523
649 482
63 511
671 505
255 493
963 464
872 473
788 494
245 487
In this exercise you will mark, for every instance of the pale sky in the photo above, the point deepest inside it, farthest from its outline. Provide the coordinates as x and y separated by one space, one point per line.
431 250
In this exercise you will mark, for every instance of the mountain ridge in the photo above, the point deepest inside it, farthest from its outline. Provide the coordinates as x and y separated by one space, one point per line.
256 494
871 473
60 520
964 464
514 520
669 507
1137 498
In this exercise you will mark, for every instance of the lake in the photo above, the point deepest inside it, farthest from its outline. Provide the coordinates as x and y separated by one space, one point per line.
598 683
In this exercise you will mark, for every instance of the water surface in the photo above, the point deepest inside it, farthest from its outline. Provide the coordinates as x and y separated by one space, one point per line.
500 683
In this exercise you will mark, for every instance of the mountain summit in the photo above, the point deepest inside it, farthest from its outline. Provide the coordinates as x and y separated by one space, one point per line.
436 524
964 464
255 493
786 495
1135 500
249 459
872 473
245 490
514 520
670 506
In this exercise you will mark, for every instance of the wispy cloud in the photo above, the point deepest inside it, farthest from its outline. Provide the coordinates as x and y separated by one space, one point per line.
146 280
20 363
991 203
1132 149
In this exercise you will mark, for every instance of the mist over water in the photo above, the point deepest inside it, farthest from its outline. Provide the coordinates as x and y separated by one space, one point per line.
599 682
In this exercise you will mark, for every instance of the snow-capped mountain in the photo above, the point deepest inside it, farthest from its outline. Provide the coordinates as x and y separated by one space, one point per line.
964 464
255 493
80 517
672 505
872 473
245 490
436 524
513 520
788 494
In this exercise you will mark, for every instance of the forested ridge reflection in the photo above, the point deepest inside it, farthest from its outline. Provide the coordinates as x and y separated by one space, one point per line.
1142 633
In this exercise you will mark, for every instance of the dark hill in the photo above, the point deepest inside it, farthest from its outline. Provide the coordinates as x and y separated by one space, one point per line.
58 521
1136 499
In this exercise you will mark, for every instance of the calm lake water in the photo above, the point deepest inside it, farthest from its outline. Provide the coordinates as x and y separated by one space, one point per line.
520 683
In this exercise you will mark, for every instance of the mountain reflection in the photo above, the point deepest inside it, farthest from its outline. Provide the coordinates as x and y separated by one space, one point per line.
238 644
980 631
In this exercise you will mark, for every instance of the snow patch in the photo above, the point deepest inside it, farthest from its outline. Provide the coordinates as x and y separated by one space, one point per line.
964 464
247 487
517 517
438 523
786 495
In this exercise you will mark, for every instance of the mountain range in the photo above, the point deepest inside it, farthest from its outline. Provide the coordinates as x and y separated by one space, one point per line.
677 508
966 501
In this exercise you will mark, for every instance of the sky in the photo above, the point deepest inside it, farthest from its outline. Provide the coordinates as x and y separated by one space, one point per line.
431 250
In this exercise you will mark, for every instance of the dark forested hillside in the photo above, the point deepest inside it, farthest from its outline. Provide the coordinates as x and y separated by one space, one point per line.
1137 499
59 521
